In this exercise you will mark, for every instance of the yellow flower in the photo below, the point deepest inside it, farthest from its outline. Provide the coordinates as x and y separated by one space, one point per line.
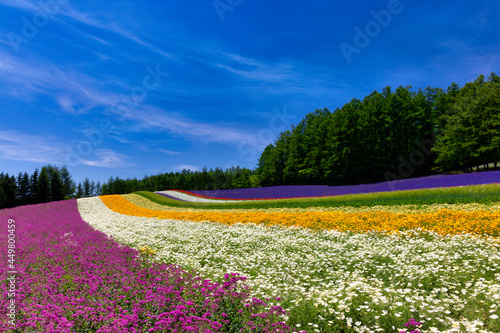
443 221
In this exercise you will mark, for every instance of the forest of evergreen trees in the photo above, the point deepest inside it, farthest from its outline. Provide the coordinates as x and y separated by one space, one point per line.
217 179
53 183
388 135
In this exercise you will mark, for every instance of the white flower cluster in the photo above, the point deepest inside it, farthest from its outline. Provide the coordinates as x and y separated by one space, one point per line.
365 280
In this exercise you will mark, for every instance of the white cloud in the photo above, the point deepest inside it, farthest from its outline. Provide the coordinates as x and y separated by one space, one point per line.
47 149
168 152
31 148
77 93
256 70
461 59
74 92
107 158
181 167
152 118
104 22
20 4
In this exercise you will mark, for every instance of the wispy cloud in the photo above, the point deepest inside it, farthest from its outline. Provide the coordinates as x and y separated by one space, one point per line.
20 4
460 60
97 19
19 146
74 92
152 118
106 22
255 70
31 148
77 93
168 152
285 78
107 158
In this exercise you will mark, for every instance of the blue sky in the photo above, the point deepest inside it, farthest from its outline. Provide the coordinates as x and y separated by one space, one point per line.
131 88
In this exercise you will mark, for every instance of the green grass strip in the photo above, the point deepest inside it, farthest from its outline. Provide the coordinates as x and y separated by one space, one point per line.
485 194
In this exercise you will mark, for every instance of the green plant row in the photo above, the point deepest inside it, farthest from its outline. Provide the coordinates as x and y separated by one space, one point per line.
484 194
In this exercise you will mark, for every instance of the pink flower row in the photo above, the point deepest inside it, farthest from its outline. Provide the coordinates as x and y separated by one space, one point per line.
71 278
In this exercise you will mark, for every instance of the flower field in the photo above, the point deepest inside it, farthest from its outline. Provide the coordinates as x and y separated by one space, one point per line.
126 263
71 278
443 221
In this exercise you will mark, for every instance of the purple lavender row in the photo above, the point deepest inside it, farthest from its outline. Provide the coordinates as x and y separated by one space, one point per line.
63 276
297 191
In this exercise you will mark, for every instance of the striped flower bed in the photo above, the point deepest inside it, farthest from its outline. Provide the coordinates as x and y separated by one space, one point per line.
330 280
433 268
68 277
195 197
187 196
305 191
443 221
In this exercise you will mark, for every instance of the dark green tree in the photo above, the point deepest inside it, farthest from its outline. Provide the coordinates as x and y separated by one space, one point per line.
98 189
92 189
265 169
87 188
33 187
79 191
69 184
23 185
313 130
57 190
3 199
43 187
470 134
10 190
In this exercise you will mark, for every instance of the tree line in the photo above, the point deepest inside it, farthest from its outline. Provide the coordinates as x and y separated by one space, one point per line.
204 180
51 183
389 135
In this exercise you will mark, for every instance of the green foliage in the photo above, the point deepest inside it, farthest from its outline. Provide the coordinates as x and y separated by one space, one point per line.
69 184
53 183
9 189
205 180
43 187
389 133
3 198
56 186
33 185
471 131
23 187
87 188
79 191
